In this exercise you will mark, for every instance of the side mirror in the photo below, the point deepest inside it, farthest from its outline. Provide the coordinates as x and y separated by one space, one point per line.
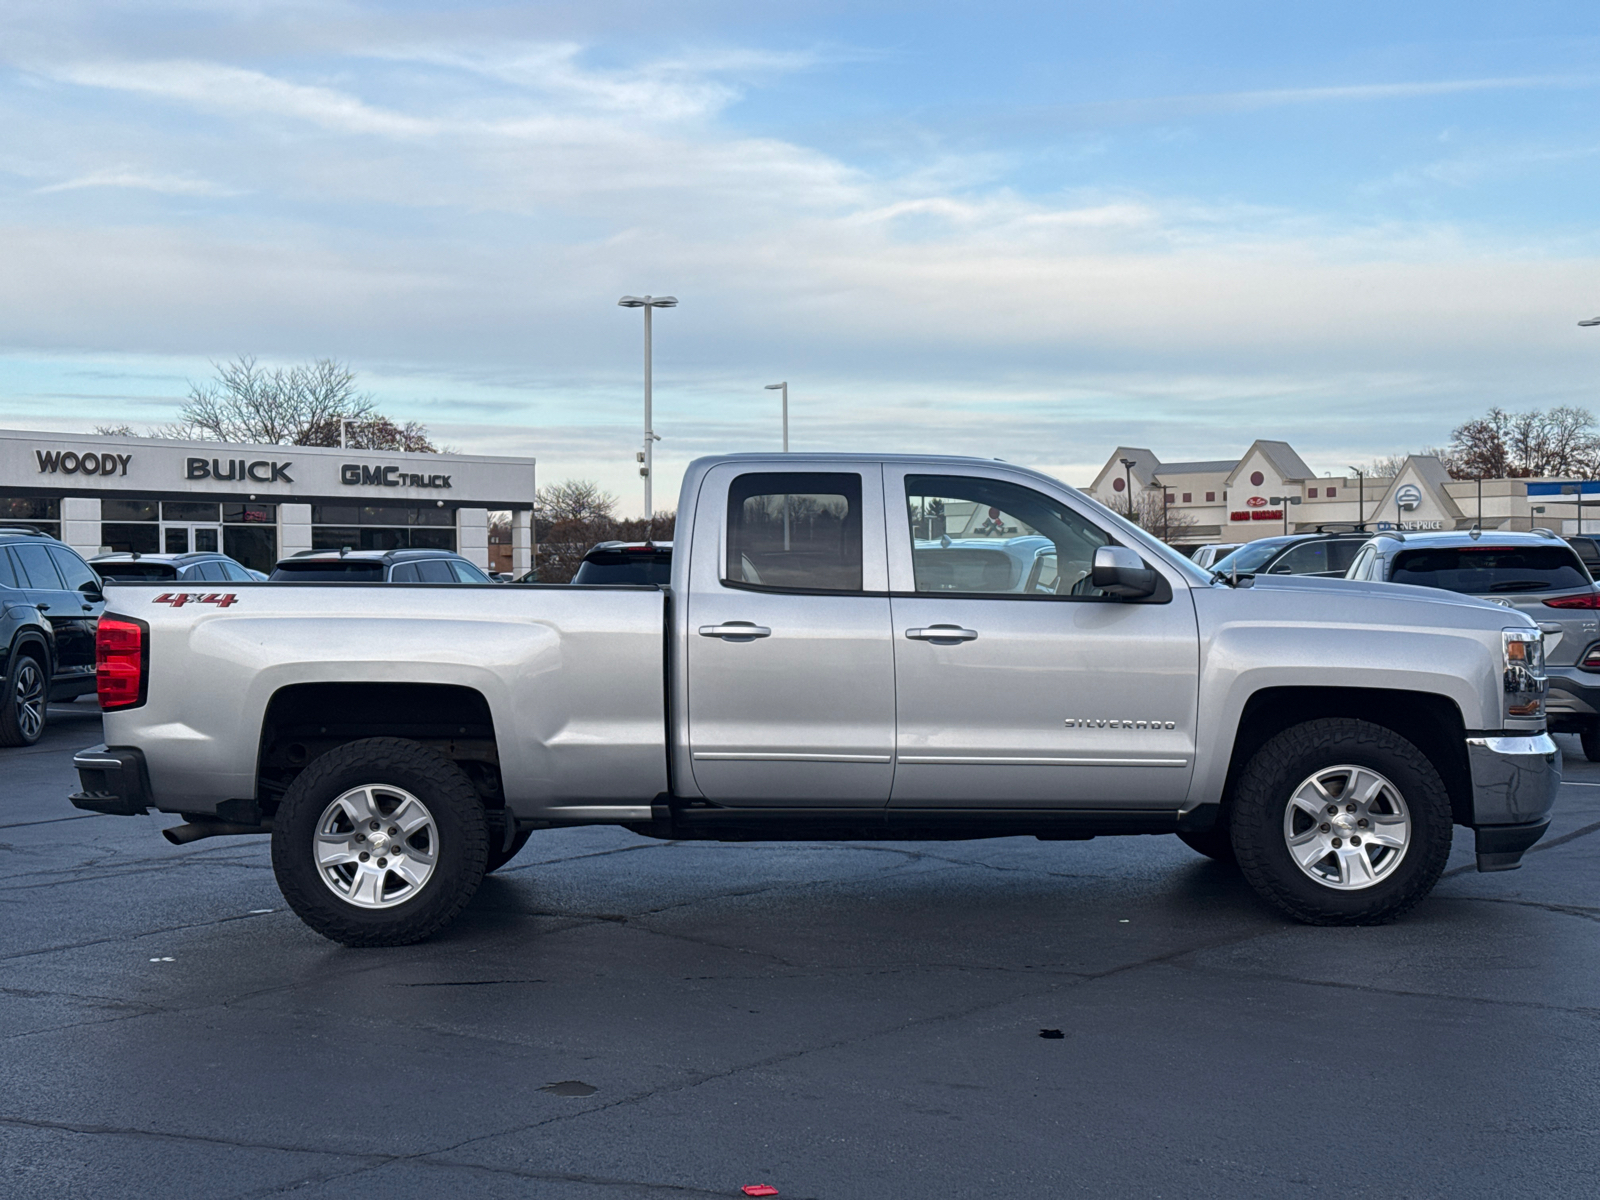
91 589
1121 572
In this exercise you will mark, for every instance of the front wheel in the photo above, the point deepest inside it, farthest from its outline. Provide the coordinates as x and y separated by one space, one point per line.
1341 822
379 842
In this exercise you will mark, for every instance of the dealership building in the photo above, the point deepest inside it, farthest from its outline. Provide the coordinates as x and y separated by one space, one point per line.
259 503
1270 490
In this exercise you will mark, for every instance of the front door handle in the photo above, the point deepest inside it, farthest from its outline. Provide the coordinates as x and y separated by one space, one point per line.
736 631
942 633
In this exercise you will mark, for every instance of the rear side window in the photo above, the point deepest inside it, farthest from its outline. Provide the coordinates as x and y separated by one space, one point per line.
73 569
404 573
35 567
1492 569
329 571
434 570
137 570
798 531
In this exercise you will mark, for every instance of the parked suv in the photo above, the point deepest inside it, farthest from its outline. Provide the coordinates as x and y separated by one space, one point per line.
204 567
1536 573
1326 553
50 602
626 562
377 566
1588 549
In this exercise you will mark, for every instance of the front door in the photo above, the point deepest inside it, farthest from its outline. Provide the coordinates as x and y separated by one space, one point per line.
53 577
191 539
789 662
1019 684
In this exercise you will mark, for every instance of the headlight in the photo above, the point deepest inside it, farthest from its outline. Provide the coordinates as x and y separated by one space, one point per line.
1525 682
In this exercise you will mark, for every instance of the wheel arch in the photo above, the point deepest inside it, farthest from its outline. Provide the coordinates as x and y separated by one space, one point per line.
1431 722
305 720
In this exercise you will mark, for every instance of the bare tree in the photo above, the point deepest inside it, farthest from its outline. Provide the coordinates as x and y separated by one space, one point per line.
303 405
1557 441
1166 521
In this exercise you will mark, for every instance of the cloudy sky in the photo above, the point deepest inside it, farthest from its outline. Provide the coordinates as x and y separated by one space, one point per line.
1029 231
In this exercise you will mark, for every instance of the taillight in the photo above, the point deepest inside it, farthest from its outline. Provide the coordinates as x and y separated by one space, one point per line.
121 662
1585 600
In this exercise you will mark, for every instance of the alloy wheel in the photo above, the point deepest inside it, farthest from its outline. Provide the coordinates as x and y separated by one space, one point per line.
1347 827
376 846
30 700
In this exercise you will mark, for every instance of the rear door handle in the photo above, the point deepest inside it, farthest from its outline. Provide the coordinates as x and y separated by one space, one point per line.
942 633
736 631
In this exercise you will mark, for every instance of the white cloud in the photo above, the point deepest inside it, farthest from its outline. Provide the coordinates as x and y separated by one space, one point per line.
122 177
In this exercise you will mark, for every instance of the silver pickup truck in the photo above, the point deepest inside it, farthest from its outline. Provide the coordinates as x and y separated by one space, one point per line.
852 647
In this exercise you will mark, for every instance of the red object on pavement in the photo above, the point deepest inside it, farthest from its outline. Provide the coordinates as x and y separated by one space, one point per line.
759 1189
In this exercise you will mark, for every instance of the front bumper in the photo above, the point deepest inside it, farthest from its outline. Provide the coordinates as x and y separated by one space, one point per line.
114 781
1514 785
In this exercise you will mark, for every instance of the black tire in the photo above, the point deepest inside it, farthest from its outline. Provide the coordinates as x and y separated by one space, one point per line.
1589 735
1215 843
25 707
499 858
458 858
1263 795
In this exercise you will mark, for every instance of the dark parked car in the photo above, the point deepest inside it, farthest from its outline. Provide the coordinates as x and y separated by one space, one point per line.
203 567
378 566
1588 549
1326 553
626 562
50 602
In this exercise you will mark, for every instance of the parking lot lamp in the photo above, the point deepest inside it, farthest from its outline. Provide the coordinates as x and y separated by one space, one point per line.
1127 474
1361 496
648 455
1285 501
772 387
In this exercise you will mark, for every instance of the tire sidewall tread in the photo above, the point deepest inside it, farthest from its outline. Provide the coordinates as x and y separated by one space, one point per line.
1263 792
458 815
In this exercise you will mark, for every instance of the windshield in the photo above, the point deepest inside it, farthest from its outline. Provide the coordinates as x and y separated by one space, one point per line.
1483 570
329 571
625 568
1247 560
136 570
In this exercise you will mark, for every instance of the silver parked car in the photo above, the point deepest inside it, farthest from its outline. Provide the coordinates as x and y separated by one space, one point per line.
1536 573
1208 556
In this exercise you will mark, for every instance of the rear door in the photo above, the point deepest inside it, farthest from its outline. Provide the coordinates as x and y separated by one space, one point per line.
1027 688
789 664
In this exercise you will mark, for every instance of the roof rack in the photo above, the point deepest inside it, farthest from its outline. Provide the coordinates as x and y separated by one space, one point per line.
20 527
1543 532
1341 526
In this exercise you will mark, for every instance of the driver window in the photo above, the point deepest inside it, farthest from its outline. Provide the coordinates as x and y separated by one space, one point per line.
974 536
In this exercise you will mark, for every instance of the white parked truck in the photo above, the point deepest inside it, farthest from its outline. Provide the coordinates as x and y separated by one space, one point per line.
852 646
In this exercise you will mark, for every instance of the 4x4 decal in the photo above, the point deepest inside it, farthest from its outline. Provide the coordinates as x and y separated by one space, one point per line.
179 599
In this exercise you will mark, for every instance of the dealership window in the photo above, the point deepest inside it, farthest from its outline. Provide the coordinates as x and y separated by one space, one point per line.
130 525
1187 497
383 526
1210 497
1311 493
1332 492
43 513
250 535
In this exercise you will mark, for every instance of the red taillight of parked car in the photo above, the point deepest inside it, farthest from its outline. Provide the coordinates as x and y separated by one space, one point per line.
121 656
1586 600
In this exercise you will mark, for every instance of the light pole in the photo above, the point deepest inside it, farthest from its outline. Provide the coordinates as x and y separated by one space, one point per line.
1165 501
1361 497
648 455
1285 501
1127 473
773 387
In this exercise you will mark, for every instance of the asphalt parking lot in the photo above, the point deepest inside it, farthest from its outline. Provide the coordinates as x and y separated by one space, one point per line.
621 1017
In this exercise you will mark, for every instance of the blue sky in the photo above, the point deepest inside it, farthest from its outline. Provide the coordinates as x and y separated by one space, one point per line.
1027 231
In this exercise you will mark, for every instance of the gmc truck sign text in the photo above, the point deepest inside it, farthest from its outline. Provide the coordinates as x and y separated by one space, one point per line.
356 475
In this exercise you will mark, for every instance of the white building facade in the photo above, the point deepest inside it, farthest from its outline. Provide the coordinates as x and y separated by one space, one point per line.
1271 490
259 503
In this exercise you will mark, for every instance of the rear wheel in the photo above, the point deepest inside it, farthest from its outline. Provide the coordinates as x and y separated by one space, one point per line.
379 842
1589 735
1341 822
24 708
